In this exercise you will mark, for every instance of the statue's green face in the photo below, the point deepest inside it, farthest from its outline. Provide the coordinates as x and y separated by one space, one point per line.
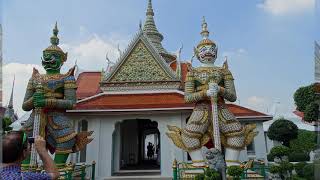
52 62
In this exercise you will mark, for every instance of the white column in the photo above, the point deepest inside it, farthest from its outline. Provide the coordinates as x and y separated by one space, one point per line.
93 147
168 151
260 144
104 165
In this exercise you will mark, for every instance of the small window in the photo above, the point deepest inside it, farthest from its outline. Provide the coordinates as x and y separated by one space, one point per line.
251 149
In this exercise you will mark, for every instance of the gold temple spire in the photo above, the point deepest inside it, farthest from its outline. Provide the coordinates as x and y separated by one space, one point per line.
151 31
204 33
54 38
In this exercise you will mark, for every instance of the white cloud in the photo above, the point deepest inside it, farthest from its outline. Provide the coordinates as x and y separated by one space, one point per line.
285 7
91 54
22 73
255 100
258 103
235 53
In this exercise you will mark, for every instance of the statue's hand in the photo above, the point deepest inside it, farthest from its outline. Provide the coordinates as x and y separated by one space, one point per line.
38 99
213 89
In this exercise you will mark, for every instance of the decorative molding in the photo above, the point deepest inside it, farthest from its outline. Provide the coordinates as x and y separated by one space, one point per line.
140 51
129 110
132 92
134 86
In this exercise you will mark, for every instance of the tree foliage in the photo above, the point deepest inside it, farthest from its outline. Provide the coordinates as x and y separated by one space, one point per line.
299 168
278 151
311 112
209 174
305 142
304 96
6 122
283 130
235 171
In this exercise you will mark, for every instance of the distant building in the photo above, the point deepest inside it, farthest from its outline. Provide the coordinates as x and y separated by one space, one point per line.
9 110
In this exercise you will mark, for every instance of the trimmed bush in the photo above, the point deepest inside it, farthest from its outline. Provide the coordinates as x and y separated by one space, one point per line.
199 177
299 168
209 174
306 141
308 171
305 96
278 151
286 166
270 157
235 171
275 169
311 112
283 130
298 157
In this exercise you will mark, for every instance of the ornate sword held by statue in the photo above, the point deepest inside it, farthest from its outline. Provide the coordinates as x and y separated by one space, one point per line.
36 130
215 120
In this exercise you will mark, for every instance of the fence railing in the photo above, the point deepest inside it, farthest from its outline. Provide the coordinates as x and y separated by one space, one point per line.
183 170
78 171
70 171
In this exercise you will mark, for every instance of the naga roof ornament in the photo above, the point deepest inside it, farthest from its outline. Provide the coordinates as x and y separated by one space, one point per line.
54 44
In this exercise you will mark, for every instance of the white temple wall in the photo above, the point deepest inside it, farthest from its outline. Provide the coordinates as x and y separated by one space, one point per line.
108 161
168 150
101 147
259 145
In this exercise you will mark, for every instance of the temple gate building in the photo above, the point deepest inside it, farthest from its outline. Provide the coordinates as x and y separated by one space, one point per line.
132 103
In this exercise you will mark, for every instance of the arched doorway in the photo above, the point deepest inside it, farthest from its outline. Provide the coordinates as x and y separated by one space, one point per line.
136 145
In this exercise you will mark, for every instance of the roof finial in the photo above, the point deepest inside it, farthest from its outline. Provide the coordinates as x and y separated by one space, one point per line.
140 25
54 38
150 10
204 33
225 63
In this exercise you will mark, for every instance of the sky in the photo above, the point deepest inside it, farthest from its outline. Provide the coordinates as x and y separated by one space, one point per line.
269 43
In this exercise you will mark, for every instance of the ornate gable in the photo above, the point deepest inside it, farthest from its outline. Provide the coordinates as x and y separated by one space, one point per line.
141 67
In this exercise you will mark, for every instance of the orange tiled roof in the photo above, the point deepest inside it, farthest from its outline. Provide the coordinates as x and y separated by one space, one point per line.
242 111
299 114
134 101
88 84
151 101
184 69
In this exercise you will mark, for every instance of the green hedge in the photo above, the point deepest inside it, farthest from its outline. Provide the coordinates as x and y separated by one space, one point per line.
298 157
275 169
299 168
235 171
209 174
308 171
282 168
